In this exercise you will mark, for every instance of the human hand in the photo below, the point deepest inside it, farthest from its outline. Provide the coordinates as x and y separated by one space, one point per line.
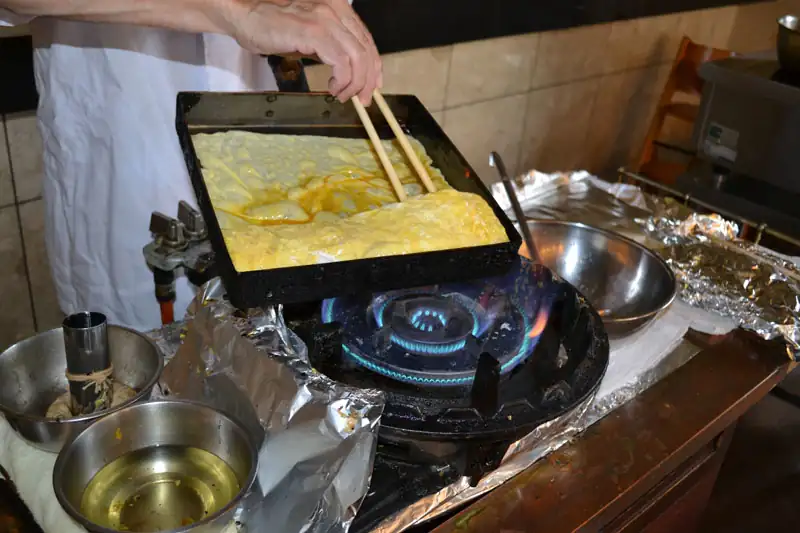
327 29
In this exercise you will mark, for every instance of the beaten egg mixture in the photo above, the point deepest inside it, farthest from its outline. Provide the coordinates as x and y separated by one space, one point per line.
291 200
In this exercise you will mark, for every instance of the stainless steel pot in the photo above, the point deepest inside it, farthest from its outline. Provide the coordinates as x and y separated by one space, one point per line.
32 376
146 493
625 282
789 43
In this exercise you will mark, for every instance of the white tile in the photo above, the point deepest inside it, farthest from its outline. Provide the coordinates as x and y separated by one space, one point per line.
16 317
573 54
643 42
318 77
6 183
489 69
26 154
422 73
621 115
556 127
45 302
479 129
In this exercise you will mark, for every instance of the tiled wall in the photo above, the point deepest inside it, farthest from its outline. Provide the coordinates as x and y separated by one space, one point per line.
27 298
578 98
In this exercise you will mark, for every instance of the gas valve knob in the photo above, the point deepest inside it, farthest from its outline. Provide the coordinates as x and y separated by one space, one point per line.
192 221
169 231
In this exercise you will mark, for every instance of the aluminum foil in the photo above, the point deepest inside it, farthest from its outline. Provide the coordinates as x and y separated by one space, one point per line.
520 455
317 438
756 287
736 279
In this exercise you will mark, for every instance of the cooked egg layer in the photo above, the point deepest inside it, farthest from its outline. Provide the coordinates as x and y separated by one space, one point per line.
288 200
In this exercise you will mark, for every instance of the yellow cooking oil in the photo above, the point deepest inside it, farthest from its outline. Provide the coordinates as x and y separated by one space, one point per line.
158 489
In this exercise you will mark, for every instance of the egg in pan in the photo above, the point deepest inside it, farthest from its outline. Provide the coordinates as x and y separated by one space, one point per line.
292 200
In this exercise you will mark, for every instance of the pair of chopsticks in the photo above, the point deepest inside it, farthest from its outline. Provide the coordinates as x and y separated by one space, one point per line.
401 138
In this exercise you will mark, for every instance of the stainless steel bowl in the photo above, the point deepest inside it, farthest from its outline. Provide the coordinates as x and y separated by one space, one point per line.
625 282
151 483
32 376
789 43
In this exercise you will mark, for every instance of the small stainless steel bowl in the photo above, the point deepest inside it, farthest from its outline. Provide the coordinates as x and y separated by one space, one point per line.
32 376
155 426
625 282
789 43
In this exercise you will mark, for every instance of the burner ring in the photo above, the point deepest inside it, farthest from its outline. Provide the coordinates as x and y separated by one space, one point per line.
428 325
435 336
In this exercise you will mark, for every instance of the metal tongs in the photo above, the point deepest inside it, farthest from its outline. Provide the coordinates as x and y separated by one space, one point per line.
497 162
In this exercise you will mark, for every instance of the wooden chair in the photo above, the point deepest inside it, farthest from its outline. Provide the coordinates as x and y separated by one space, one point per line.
683 79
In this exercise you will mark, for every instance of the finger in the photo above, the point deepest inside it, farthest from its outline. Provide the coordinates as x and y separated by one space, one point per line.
365 40
356 26
333 54
359 67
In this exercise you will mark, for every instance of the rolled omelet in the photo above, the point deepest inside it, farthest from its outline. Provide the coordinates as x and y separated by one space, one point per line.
285 201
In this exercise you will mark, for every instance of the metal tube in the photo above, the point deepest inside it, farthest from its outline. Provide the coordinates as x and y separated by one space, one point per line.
86 346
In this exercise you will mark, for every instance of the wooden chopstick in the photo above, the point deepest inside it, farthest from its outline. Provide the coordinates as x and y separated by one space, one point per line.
376 143
403 140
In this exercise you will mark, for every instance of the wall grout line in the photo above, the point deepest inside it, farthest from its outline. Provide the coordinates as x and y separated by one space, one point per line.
19 224
555 85
29 200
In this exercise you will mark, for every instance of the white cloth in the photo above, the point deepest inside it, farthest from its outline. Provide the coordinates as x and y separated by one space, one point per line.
111 155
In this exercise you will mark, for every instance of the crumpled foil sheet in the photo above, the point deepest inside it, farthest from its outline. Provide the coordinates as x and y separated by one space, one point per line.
736 279
756 287
317 438
520 455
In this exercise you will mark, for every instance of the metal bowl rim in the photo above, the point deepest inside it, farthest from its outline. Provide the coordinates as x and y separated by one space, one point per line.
613 234
78 516
146 389
783 19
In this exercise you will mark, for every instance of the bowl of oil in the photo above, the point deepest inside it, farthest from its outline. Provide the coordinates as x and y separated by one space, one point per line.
163 466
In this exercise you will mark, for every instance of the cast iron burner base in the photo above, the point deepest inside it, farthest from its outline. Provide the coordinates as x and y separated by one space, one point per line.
467 369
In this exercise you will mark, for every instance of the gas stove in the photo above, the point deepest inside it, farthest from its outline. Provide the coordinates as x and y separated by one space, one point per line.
466 368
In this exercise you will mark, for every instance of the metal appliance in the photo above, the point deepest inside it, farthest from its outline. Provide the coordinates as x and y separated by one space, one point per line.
746 137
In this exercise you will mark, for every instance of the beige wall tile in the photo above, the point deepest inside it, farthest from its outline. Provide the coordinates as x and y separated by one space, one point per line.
484 70
6 184
422 73
438 116
16 318
709 27
643 42
621 114
26 154
755 27
479 129
45 302
318 77
556 127
569 55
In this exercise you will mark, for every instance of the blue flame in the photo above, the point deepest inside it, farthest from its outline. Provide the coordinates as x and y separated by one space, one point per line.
428 348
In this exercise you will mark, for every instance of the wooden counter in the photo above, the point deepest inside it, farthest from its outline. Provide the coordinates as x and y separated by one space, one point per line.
648 466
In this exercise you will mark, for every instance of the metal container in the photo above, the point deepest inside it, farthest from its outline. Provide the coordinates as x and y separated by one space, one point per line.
789 43
155 498
32 376
86 347
625 282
